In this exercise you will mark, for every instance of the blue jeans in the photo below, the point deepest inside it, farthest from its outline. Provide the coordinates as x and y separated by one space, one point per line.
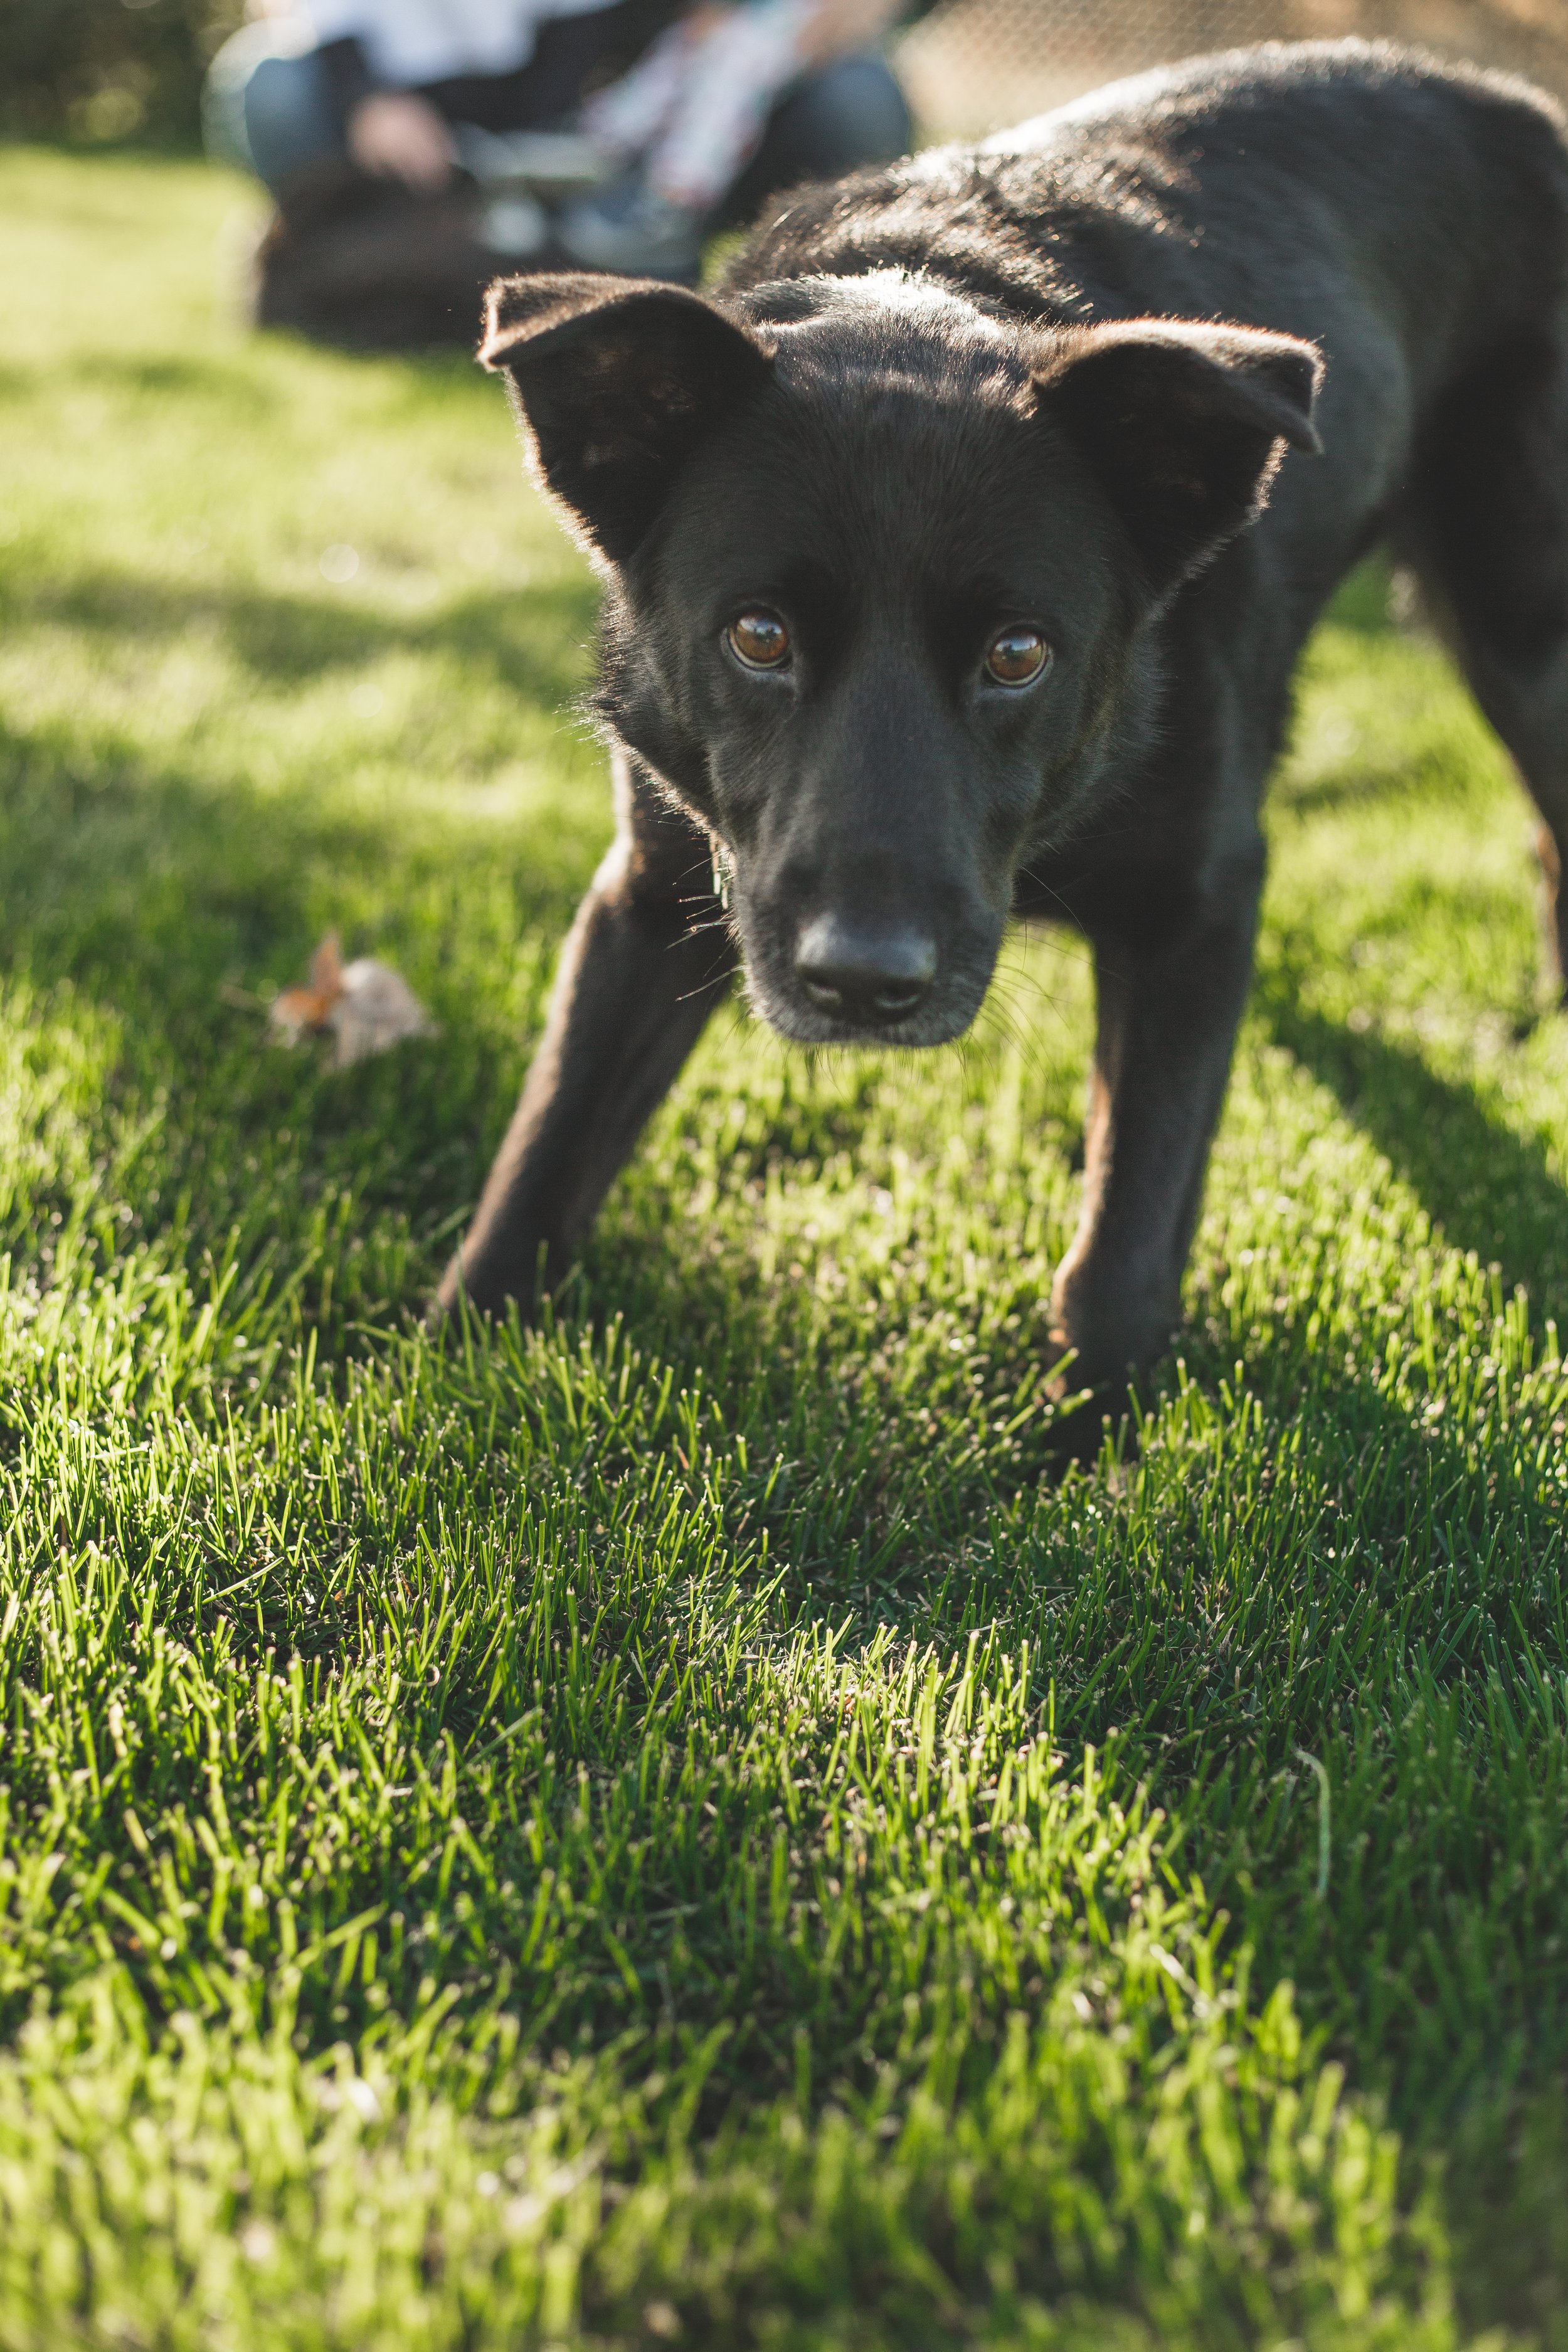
269 107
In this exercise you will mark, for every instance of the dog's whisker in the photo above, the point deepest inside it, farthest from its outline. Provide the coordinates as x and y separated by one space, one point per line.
1020 975
1062 939
997 1017
715 980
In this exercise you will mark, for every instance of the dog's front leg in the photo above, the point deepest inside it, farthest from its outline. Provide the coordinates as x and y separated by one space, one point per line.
648 959
1167 1027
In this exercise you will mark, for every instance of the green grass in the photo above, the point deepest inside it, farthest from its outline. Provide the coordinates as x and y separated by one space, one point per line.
679 1827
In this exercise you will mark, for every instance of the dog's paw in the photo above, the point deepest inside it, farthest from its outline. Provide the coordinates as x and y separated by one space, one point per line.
1095 1370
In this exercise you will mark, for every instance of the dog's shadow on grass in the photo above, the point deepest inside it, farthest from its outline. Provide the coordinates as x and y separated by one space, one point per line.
1490 1189
1485 1187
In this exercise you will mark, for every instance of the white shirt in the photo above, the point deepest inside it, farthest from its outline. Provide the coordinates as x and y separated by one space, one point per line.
407 42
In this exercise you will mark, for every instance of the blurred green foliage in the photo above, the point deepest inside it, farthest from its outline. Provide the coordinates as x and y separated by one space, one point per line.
104 70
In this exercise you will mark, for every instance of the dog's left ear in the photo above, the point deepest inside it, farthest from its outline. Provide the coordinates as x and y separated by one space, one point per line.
1185 425
615 383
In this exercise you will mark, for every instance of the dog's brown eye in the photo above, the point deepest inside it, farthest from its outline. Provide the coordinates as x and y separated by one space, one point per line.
1017 656
759 639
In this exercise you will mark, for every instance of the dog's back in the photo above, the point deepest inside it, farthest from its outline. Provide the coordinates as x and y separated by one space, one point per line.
1400 214
1227 176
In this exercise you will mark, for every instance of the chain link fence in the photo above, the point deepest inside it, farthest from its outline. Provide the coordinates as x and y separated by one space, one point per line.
973 65
112 69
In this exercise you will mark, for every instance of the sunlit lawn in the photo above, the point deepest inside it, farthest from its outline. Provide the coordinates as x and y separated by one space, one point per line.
681 1827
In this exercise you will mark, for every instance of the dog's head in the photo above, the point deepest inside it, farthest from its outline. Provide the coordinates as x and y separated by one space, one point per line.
879 565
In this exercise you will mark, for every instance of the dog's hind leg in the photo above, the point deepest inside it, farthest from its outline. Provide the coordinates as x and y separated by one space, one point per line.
1485 530
1168 1009
648 959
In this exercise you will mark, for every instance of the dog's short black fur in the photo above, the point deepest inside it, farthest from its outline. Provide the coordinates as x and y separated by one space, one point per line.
958 553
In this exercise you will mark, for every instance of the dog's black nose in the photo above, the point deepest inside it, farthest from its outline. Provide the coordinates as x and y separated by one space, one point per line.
869 976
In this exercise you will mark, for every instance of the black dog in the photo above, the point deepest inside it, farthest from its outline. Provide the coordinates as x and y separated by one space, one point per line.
932 594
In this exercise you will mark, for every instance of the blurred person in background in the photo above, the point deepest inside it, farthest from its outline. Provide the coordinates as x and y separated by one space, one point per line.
729 105
615 138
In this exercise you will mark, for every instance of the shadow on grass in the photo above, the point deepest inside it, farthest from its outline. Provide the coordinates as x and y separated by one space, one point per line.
1509 2192
173 907
226 384
529 639
1490 1189
155 877
1422 782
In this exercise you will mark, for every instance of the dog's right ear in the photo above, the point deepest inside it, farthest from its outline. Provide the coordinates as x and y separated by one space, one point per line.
615 383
